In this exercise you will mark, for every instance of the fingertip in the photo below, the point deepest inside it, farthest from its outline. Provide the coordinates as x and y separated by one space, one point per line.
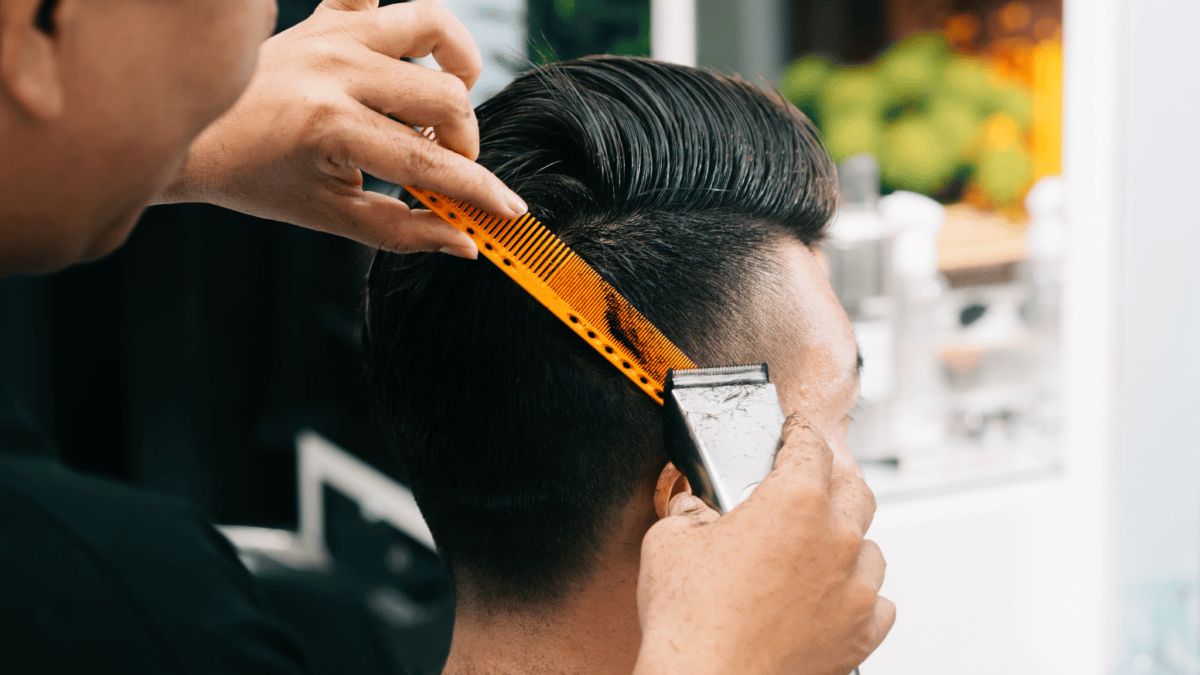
689 506
469 253
795 424
457 243
517 204
681 504
512 205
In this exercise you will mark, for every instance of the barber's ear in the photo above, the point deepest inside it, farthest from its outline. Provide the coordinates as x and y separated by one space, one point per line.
30 70
670 483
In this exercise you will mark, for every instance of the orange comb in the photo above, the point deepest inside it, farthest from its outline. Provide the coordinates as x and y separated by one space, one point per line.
566 285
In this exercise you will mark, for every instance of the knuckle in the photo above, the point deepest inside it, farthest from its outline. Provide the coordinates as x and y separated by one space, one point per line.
396 244
873 550
847 543
868 495
322 55
854 494
863 596
451 98
887 609
325 126
431 12
434 7
393 236
458 97
422 159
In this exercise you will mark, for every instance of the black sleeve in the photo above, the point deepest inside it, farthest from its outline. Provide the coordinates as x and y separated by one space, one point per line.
99 577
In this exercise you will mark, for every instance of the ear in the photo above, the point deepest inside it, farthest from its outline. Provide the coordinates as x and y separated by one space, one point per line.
30 70
670 483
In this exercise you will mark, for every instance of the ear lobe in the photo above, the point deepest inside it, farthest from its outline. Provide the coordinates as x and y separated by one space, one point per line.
670 483
29 60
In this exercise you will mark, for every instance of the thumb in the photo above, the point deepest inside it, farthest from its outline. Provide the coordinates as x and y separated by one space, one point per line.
350 5
691 508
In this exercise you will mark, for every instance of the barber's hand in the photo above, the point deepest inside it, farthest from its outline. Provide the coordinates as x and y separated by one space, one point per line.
331 99
784 583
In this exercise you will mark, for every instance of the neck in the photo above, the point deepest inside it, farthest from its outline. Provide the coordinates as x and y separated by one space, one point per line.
595 630
63 199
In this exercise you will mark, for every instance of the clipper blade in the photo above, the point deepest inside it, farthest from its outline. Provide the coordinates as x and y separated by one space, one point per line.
722 428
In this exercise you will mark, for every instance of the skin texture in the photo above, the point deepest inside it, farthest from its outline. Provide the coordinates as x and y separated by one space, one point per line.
331 90
98 119
813 357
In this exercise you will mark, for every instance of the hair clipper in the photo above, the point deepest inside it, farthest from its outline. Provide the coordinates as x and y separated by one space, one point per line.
722 428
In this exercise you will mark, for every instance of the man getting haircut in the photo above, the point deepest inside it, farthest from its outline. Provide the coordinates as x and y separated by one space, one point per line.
699 197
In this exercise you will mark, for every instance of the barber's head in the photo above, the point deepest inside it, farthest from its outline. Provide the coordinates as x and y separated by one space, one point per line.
99 100
699 198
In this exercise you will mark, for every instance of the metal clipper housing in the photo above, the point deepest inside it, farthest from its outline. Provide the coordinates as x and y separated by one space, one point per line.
722 428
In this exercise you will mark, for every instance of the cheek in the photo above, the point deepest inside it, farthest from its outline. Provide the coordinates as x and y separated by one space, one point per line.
222 57
110 238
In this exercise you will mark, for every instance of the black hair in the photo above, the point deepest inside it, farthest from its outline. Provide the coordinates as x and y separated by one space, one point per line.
521 443
44 19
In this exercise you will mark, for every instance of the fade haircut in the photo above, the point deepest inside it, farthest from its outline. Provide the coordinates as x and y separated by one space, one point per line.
521 443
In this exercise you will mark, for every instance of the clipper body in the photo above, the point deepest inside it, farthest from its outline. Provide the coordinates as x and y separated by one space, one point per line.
722 428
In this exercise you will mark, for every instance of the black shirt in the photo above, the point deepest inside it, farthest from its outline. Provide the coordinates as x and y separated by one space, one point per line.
98 577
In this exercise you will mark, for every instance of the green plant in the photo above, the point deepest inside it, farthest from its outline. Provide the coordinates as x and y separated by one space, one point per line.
933 118
568 29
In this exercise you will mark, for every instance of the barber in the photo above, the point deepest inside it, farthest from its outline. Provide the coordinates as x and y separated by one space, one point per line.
107 106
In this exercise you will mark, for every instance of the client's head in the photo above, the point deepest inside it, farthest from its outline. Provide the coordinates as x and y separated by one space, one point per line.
696 195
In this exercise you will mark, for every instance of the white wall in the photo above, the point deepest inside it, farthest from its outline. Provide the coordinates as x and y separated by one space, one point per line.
1158 466
987 582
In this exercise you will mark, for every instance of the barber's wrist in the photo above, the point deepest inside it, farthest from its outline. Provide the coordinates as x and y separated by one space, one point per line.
178 191
675 654
188 184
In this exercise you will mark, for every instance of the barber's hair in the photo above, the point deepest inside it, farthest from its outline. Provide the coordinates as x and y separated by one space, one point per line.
521 443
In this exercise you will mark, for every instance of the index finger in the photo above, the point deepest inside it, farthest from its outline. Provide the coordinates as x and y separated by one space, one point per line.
804 454
394 152
852 501
418 29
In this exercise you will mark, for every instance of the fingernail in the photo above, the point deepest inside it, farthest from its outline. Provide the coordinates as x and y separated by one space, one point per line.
517 204
471 253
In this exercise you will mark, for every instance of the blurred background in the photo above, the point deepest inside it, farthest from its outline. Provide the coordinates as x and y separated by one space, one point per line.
1014 248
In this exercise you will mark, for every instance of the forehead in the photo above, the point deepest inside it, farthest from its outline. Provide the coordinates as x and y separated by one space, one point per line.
814 356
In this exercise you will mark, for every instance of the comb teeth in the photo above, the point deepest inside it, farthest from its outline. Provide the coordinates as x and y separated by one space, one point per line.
566 285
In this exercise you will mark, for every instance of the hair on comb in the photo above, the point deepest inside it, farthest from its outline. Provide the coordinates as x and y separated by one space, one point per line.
567 286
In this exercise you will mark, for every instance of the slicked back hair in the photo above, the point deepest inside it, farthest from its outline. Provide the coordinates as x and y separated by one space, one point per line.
521 443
